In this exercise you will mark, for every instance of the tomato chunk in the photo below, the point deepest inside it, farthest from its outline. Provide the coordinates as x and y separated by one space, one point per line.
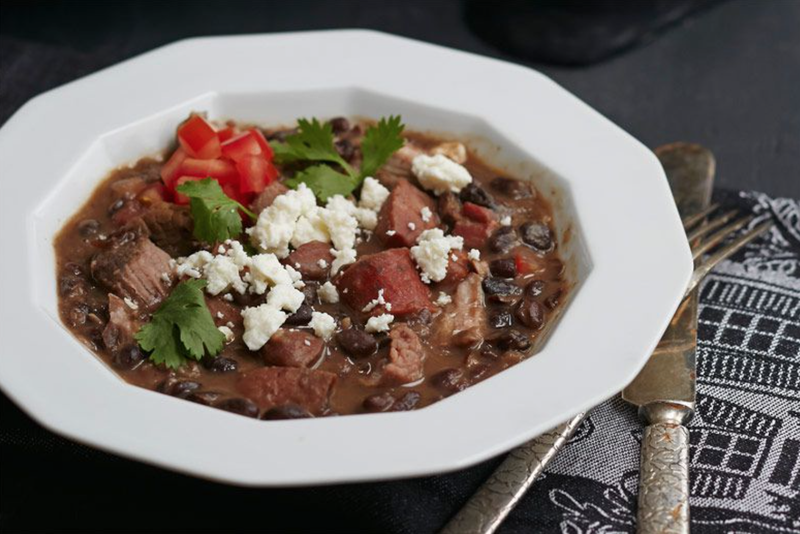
223 170
262 141
243 145
199 139
478 213
226 133
171 169
256 174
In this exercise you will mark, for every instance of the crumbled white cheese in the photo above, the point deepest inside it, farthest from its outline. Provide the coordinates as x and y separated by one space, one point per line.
440 174
367 218
379 301
426 214
165 278
432 252
227 332
342 258
194 264
342 228
322 264
328 294
310 227
220 315
307 343
130 303
260 323
379 324
285 297
222 274
454 257
506 221
373 194
443 299
390 233
229 324
296 276
323 325
276 224
412 226
228 297
220 249
266 271
474 254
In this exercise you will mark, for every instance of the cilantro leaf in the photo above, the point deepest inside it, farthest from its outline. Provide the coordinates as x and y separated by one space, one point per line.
314 143
216 216
379 143
324 181
181 328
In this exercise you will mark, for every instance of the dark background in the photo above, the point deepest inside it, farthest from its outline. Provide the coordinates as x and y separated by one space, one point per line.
727 76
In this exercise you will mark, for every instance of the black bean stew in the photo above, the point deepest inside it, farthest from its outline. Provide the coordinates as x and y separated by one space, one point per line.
119 260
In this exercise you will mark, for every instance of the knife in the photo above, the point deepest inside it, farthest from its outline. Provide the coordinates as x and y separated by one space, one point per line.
664 390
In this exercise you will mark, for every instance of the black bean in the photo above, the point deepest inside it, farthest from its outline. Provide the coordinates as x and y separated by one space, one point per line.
71 286
78 314
477 195
537 236
489 352
379 402
406 402
477 372
451 380
357 343
310 291
73 268
500 290
530 313
247 299
510 187
288 411
339 125
184 388
220 364
503 267
535 288
240 406
301 317
552 301
511 340
500 319
346 149
281 135
503 239
128 357
88 227
116 206
206 398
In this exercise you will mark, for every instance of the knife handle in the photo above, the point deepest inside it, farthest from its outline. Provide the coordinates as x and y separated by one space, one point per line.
664 474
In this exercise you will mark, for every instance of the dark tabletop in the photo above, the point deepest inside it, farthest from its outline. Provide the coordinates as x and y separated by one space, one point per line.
728 77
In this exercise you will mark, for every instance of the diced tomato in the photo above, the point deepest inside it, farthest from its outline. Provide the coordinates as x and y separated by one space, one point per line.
241 146
256 173
170 170
199 139
477 213
265 148
226 133
528 263
153 193
242 198
221 169
180 198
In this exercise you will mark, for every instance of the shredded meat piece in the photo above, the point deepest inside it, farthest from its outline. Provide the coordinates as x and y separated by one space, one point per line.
463 321
406 356
267 197
269 387
292 348
122 324
398 168
170 228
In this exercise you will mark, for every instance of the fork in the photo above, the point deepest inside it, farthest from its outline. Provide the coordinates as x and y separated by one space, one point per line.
486 510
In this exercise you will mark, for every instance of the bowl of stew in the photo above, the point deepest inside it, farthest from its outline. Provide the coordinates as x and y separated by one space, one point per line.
337 276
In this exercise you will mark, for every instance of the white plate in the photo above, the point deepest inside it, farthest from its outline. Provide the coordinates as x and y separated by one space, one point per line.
627 249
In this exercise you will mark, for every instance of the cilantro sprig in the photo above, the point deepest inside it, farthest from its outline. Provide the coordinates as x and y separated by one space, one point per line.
216 216
314 144
181 328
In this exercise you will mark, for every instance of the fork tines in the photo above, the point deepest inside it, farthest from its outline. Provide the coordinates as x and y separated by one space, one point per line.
705 233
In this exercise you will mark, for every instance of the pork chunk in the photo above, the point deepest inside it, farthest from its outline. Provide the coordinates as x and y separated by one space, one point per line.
313 260
398 167
400 220
463 321
170 227
269 387
392 271
122 324
134 267
406 356
292 348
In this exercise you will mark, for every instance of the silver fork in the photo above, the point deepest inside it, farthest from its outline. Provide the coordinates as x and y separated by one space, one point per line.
486 510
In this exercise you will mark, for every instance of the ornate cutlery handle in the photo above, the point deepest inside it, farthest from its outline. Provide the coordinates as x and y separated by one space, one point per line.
501 492
664 475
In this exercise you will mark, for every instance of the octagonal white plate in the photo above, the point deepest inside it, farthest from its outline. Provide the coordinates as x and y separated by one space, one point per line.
627 250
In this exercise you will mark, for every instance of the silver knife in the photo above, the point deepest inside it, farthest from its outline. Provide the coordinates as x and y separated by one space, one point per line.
664 390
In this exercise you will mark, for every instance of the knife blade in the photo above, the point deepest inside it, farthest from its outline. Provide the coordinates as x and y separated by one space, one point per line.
664 390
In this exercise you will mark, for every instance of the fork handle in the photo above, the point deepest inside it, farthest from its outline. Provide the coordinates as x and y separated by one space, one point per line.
664 478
